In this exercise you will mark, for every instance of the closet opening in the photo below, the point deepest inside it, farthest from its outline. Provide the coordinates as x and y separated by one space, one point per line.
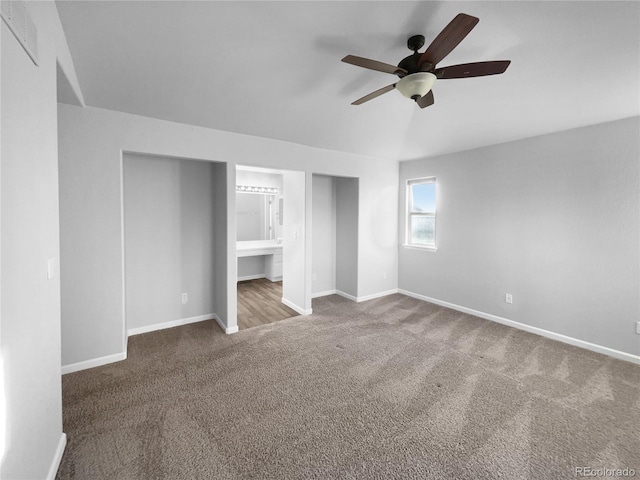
334 236
175 247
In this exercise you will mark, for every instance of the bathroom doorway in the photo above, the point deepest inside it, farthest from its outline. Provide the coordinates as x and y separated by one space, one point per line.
262 246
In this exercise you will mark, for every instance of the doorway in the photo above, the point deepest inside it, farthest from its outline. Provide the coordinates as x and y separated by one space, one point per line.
266 245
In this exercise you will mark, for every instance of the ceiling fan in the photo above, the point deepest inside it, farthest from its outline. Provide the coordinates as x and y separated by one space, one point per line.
418 72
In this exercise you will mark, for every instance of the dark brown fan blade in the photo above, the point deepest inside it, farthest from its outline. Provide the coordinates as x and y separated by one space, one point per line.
426 100
375 94
373 65
449 38
477 69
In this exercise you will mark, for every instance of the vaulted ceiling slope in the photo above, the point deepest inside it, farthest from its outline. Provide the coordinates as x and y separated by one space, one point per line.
273 69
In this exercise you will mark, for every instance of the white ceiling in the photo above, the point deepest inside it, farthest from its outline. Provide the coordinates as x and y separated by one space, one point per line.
273 69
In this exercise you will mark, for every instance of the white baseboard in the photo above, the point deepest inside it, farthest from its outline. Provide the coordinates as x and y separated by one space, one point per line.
94 362
227 330
323 294
169 324
346 295
295 307
274 279
366 297
377 295
528 328
57 457
251 277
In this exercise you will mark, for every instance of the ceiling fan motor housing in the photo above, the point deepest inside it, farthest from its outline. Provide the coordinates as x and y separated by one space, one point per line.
415 43
412 63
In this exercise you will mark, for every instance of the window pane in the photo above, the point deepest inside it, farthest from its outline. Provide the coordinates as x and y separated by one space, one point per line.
424 197
423 230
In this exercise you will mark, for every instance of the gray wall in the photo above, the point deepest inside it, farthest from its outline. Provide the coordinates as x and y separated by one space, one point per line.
294 282
30 386
224 180
347 217
91 141
323 239
553 220
170 230
251 266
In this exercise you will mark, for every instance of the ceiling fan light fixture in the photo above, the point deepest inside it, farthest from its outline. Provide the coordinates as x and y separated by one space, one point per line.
416 85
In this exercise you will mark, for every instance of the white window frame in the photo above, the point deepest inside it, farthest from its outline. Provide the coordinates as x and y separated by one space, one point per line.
409 213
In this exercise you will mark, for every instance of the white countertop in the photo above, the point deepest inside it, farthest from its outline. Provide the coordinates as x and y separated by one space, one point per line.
258 247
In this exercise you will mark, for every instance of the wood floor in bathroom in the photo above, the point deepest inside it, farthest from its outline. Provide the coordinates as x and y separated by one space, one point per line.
260 302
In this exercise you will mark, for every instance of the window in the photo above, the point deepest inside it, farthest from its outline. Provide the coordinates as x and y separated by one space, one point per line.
421 212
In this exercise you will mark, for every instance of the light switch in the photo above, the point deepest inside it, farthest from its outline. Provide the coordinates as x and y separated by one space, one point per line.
51 268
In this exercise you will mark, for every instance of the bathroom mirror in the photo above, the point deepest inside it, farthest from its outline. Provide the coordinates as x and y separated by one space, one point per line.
256 215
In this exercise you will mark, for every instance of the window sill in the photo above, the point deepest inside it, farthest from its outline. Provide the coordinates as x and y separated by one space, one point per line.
419 247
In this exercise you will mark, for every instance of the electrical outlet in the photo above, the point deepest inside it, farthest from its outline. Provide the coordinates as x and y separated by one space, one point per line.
314 277
638 328
508 298
185 298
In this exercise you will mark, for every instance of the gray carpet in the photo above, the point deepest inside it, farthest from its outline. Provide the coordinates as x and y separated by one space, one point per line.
390 388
